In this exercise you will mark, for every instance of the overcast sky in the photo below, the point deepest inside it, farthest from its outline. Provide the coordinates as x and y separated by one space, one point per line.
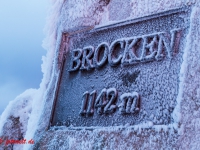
21 36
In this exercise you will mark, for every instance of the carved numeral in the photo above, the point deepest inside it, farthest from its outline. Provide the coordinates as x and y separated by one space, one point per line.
111 97
101 101
106 100
130 103
90 110
88 104
84 103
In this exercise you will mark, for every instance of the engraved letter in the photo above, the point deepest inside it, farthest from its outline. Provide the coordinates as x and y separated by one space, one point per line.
168 45
103 47
76 62
130 102
149 47
135 103
87 63
112 61
129 56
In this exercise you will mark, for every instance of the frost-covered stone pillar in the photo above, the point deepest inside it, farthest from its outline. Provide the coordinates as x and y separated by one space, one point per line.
124 75
179 87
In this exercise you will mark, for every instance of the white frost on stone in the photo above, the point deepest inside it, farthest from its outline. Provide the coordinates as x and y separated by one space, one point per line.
49 44
20 107
32 109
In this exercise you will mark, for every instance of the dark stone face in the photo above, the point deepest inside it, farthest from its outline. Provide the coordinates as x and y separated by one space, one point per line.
125 73
130 78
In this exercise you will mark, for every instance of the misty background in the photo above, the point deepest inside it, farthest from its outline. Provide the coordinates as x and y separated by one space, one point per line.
21 35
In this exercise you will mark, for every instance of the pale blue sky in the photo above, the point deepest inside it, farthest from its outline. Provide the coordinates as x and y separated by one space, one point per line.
21 36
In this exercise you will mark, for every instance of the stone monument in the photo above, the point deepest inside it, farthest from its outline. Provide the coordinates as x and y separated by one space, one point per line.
125 75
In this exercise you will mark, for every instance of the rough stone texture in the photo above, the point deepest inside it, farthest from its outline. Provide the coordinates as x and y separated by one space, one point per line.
12 130
108 139
190 111
15 120
183 135
83 14
119 10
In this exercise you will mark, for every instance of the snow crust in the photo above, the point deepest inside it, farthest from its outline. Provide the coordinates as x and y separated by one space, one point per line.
33 107
30 104
189 109
15 117
49 44
56 24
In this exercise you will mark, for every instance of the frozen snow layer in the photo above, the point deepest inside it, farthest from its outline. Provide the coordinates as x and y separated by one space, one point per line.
37 104
14 120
